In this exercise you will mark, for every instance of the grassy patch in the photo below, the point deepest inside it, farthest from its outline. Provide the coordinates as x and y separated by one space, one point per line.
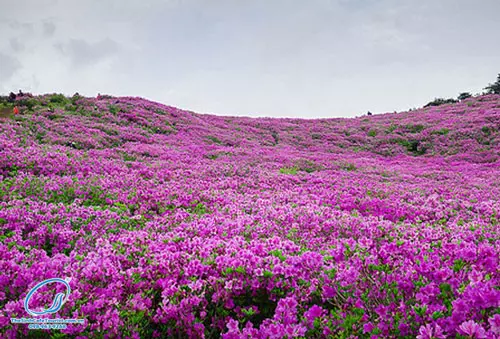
442 131
347 166
289 170
415 128
213 139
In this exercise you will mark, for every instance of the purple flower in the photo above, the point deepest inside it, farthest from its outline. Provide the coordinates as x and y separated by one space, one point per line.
472 329
368 327
185 220
430 332
495 323
314 312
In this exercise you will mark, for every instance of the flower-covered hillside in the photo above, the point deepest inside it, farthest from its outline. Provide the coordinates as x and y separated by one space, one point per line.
172 223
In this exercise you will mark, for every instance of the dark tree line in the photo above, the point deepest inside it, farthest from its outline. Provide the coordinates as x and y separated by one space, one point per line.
490 89
494 88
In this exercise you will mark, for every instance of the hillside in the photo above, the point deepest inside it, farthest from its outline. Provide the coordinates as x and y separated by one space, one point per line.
172 223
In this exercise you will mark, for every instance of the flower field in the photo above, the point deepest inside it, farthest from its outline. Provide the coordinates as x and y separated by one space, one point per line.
183 225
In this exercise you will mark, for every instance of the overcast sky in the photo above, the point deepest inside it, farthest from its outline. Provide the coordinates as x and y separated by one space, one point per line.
282 58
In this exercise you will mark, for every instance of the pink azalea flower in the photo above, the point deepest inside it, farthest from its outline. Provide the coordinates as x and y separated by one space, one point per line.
495 323
430 332
314 312
472 329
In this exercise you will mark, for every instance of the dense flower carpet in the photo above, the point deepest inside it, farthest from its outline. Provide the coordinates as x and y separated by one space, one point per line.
169 223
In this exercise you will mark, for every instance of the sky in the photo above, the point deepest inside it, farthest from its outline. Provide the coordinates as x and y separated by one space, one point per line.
275 58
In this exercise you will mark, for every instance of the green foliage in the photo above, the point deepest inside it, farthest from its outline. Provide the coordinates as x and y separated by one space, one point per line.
413 146
29 103
382 268
458 265
420 310
248 312
372 133
74 99
437 315
347 166
6 234
494 88
199 209
268 274
58 99
6 106
113 109
211 156
447 297
308 166
275 136
278 254
391 129
486 130
442 131
289 170
440 101
128 157
353 318
161 130
464 95
260 300
65 195
415 128
214 139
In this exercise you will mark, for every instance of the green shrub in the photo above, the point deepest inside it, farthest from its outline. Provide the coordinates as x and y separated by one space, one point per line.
113 109
464 95
391 129
413 146
214 139
275 136
347 166
494 88
308 166
58 99
289 170
441 101
415 128
442 131
486 130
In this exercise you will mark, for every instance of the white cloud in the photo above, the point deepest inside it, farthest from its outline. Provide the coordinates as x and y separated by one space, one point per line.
83 53
9 66
49 28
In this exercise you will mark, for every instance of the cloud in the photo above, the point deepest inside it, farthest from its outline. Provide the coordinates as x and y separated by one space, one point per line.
16 45
315 58
48 29
83 53
9 67
27 27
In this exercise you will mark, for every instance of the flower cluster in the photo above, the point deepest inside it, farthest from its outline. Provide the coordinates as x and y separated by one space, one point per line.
176 224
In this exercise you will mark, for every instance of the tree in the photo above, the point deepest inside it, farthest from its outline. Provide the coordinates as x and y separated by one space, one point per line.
464 95
440 101
494 88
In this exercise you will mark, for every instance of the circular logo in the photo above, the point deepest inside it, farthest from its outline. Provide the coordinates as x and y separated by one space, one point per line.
59 299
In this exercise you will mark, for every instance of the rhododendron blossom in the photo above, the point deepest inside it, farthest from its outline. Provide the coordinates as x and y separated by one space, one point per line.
175 224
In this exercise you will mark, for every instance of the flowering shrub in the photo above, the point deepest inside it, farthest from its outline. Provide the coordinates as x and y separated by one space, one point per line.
176 224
